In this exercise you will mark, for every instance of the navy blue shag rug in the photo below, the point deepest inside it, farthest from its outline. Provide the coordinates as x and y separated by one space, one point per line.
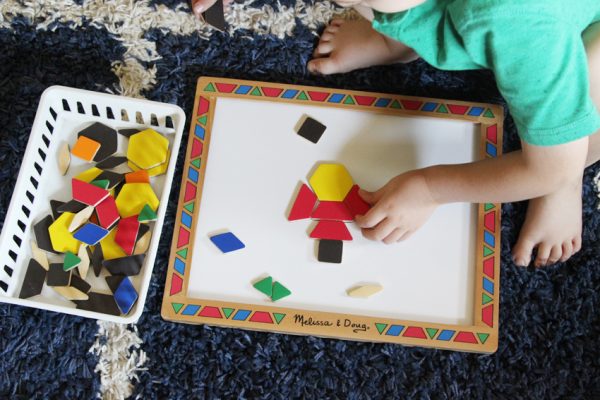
549 320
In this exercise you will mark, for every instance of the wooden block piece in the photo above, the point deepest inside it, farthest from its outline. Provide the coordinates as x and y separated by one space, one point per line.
81 218
85 148
147 214
364 291
303 205
127 231
113 178
355 204
71 206
77 290
54 206
105 135
63 240
215 15
332 210
143 241
147 149
99 302
39 256
33 282
42 235
110 249
227 242
125 295
334 230
130 265
139 176
71 261
154 171
279 291
90 234
57 276
88 175
84 265
128 132
111 162
331 182
311 129
96 259
330 251
87 193
64 158
107 212
113 282
133 197
101 183
265 286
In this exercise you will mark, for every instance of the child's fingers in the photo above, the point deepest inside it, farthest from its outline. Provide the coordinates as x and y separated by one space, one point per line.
405 236
381 231
394 236
373 217
370 197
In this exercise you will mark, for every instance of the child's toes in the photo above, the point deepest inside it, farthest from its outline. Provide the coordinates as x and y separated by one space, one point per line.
543 253
555 254
323 66
522 252
576 244
567 250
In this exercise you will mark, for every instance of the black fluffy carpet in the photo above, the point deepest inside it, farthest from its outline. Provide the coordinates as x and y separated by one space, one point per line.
549 319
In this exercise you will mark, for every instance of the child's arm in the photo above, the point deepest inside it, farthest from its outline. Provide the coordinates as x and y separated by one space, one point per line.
407 201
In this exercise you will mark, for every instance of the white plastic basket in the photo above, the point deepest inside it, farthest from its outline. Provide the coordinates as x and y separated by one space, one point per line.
61 113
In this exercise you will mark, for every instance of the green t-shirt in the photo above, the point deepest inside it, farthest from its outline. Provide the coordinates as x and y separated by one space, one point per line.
534 48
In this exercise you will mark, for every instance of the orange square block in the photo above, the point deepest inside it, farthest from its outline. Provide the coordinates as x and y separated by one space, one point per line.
140 176
85 148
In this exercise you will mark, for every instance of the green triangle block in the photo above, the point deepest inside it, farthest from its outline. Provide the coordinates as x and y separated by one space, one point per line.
279 291
189 207
183 253
265 286
255 92
349 100
302 96
176 307
278 317
488 206
202 120
101 183
395 104
485 298
487 251
488 113
147 214
380 327
442 109
227 311
431 332
483 337
71 261
209 88
196 163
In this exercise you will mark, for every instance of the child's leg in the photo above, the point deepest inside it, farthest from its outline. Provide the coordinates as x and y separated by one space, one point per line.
348 45
553 222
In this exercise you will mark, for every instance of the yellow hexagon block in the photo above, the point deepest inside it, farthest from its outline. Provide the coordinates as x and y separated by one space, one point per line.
331 182
154 171
62 240
110 248
147 149
133 197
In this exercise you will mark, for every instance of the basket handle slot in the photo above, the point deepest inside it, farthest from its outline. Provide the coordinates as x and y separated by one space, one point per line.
12 255
21 225
169 122
53 113
95 112
109 113
66 105
124 116
80 108
25 211
4 286
8 270
50 127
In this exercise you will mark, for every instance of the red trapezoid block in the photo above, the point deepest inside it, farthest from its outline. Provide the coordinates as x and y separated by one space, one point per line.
271 92
304 204
203 105
196 148
183 238
355 204
334 230
317 96
456 109
489 221
487 315
364 100
488 267
176 284
87 193
492 133
211 312
261 316
411 104
332 210
127 231
415 332
465 337
190 192
225 87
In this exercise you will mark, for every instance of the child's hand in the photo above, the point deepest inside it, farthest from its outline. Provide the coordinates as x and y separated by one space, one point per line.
399 208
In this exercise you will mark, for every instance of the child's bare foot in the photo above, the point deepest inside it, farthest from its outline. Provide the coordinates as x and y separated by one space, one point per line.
553 225
348 45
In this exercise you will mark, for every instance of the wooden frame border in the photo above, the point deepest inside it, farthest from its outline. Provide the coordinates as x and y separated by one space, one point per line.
482 336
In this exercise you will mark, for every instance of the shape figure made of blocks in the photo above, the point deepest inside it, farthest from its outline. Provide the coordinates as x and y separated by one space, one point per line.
333 201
